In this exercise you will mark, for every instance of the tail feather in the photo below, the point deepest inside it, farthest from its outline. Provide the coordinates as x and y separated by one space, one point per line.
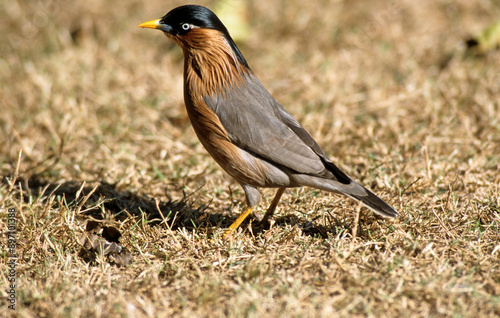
349 188
374 203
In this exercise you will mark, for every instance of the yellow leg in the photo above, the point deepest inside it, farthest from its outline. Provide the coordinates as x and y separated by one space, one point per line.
274 204
237 223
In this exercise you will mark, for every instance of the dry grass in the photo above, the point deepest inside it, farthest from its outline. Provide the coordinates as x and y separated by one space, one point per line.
95 104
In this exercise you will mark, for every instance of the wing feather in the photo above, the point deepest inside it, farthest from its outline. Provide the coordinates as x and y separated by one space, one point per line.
257 123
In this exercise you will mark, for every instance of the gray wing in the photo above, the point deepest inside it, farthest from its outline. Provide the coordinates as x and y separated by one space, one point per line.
257 123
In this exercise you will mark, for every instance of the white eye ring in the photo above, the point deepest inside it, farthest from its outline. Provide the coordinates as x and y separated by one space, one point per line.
186 26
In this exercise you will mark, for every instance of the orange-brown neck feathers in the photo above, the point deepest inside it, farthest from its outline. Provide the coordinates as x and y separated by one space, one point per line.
210 63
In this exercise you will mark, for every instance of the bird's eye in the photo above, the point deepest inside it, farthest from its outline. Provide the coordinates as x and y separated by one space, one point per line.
186 26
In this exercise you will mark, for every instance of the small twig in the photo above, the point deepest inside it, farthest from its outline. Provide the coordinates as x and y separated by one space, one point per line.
85 198
411 184
166 223
13 180
442 224
356 221
77 195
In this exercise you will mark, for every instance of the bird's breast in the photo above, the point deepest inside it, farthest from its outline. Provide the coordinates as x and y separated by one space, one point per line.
242 166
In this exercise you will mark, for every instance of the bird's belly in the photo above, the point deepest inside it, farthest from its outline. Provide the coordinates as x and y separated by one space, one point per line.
238 163
243 166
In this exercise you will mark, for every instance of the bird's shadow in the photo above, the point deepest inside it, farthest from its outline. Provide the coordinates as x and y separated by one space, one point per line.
311 228
102 200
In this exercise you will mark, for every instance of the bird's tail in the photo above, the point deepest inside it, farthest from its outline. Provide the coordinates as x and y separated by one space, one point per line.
345 185
350 188
373 202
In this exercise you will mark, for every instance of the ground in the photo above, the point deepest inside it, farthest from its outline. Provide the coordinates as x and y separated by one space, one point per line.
97 141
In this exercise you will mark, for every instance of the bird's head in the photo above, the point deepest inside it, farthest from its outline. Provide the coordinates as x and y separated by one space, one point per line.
194 27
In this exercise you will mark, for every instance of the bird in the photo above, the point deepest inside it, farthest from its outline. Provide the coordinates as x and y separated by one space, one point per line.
240 124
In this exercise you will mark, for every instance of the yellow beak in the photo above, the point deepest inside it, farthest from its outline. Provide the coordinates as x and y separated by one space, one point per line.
153 24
